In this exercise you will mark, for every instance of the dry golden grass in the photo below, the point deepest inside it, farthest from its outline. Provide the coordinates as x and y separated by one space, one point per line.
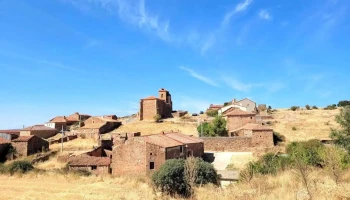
241 159
78 144
309 124
283 186
51 185
149 128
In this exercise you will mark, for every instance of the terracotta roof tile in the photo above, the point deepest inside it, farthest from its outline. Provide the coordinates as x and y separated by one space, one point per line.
11 131
93 126
59 119
254 127
84 160
239 112
38 127
183 138
23 138
4 141
162 141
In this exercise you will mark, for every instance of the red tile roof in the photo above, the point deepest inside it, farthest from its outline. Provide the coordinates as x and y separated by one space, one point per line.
162 141
57 119
254 127
38 127
183 138
11 131
239 112
4 141
23 138
84 160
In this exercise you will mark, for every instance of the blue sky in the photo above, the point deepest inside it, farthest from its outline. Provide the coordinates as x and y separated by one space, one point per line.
101 56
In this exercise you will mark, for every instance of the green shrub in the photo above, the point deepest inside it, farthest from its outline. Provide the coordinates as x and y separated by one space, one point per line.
343 103
204 129
294 108
314 107
342 136
309 150
331 107
20 167
308 107
157 118
216 128
294 128
212 113
172 179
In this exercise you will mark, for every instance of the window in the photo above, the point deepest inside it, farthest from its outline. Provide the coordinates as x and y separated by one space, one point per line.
150 154
162 96
181 149
151 165
251 117
93 167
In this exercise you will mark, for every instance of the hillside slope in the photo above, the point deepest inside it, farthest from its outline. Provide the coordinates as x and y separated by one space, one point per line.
308 124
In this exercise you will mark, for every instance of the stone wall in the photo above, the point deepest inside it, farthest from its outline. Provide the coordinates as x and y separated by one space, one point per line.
156 155
100 170
262 138
129 157
234 122
40 133
149 109
196 150
34 145
227 143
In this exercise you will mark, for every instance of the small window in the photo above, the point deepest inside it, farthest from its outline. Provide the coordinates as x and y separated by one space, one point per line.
150 154
93 167
181 149
151 165
251 117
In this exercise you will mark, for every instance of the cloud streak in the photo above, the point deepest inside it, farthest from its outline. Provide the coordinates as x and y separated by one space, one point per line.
247 87
200 77
239 8
263 14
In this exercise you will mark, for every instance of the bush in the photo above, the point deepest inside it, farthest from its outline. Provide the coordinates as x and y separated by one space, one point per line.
310 150
212 113
331 107
308 107
294 128
204 129
342 137
20 166
343 103
157 118
294 108
314 107
201 112
177 176
216 128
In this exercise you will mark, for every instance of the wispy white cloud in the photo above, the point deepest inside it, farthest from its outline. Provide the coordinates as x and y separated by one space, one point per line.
208 43
239 8
199 76
264 14
131 11
269 87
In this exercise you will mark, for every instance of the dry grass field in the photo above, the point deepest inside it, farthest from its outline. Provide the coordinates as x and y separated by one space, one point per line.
308 124
53 186
78 144
148 128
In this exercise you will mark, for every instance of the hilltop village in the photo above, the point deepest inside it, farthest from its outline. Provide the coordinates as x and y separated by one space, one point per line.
121 153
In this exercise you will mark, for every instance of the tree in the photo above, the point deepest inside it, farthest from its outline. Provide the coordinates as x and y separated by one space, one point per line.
204 129
343 103
342 137
308 107
294 108
331 107
314 107
218 126
212 113
179 177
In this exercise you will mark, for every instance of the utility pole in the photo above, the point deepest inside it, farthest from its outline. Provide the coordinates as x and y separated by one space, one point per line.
62 132
201 128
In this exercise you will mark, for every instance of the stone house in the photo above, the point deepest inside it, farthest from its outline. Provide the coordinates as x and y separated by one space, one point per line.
247 103
214 107
238 118
145 154
39 130
95 126
27 145
10 134
58 123
262 136
93 164
152 106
